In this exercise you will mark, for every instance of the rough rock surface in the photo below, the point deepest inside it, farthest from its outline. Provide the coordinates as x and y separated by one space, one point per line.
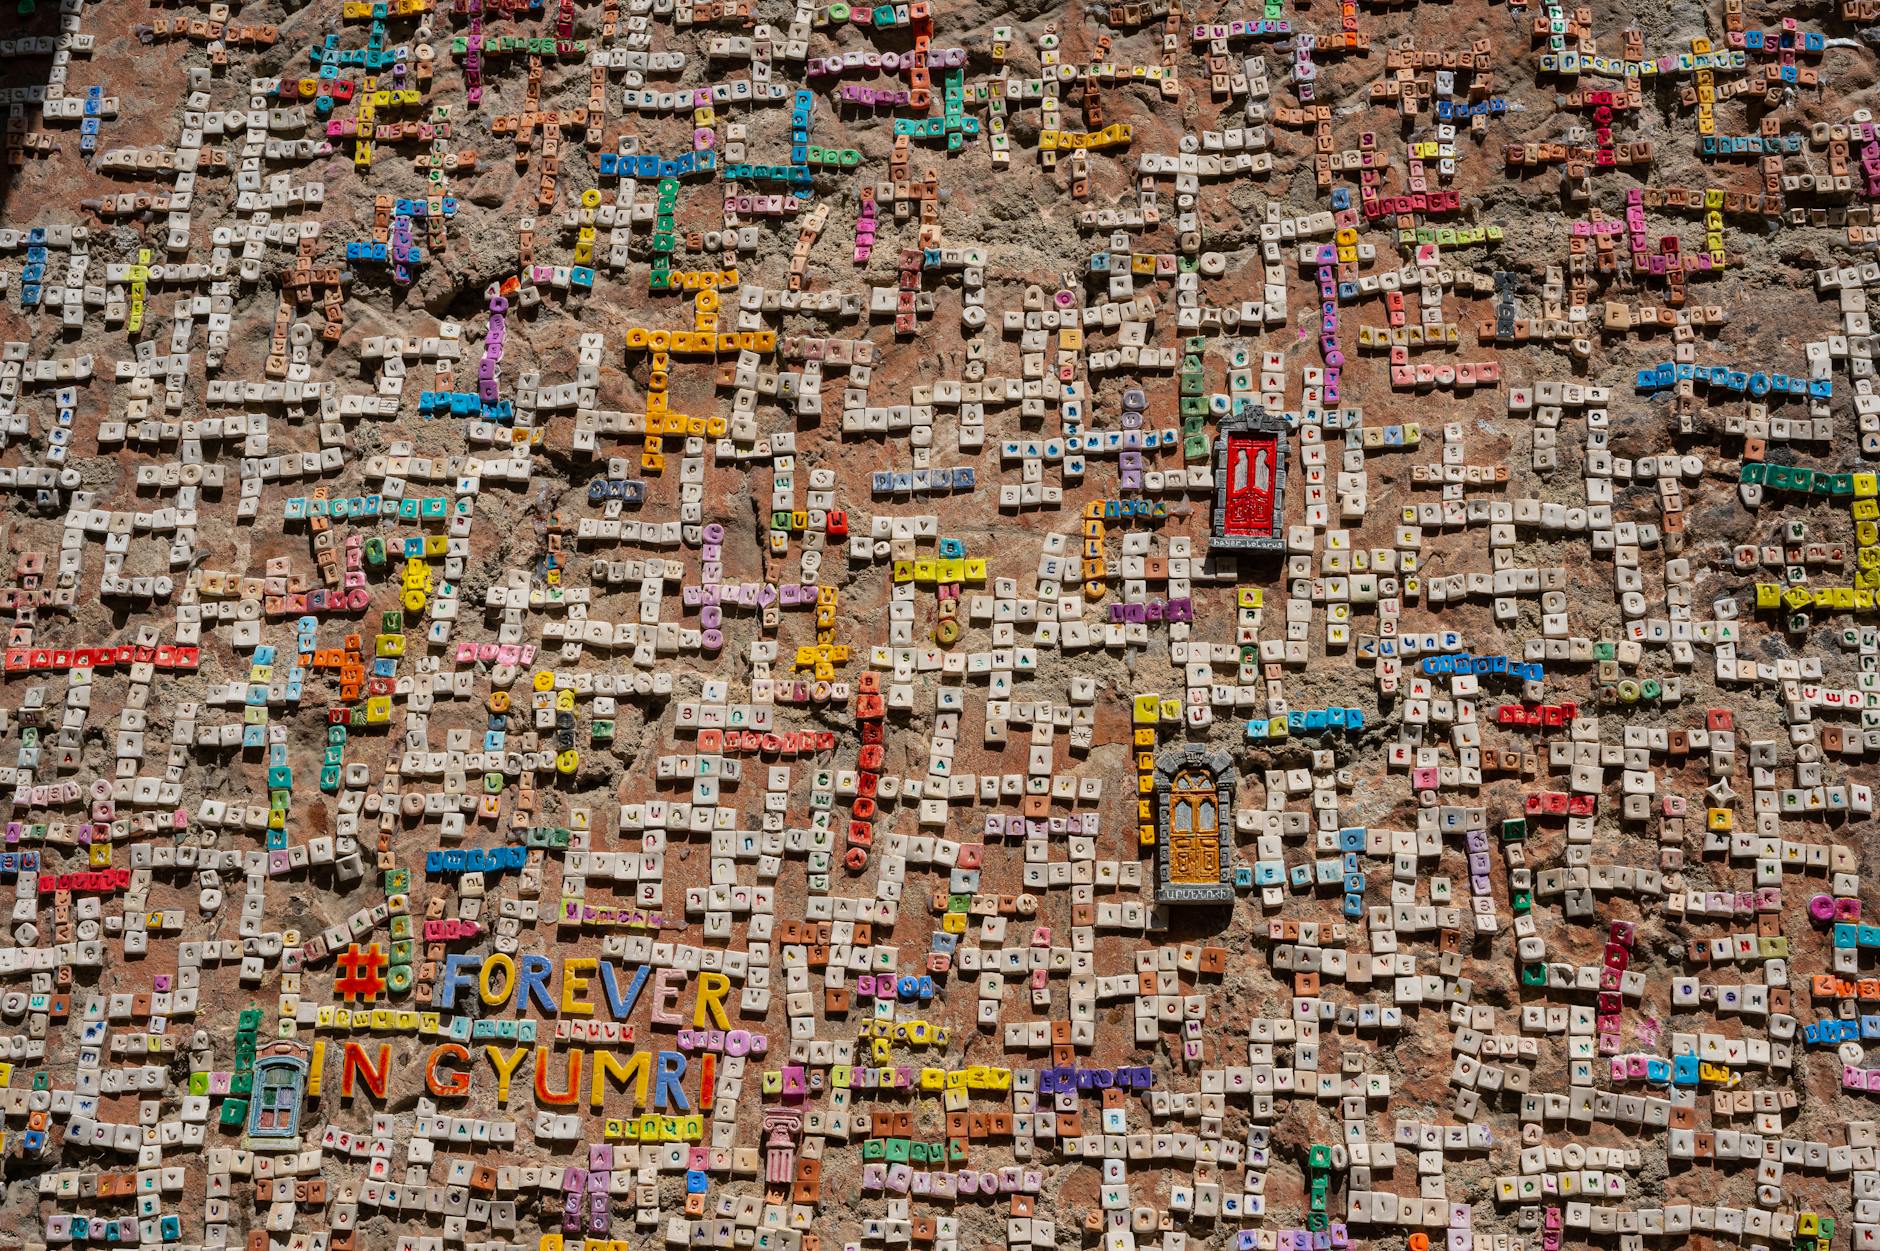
461 555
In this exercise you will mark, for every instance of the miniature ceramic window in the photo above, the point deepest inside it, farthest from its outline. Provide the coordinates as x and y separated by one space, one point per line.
279 1081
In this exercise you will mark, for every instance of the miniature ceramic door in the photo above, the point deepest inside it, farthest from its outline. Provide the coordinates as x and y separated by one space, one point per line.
1194 833
1252 475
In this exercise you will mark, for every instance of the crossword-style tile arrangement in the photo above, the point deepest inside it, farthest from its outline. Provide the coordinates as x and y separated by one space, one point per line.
804 626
